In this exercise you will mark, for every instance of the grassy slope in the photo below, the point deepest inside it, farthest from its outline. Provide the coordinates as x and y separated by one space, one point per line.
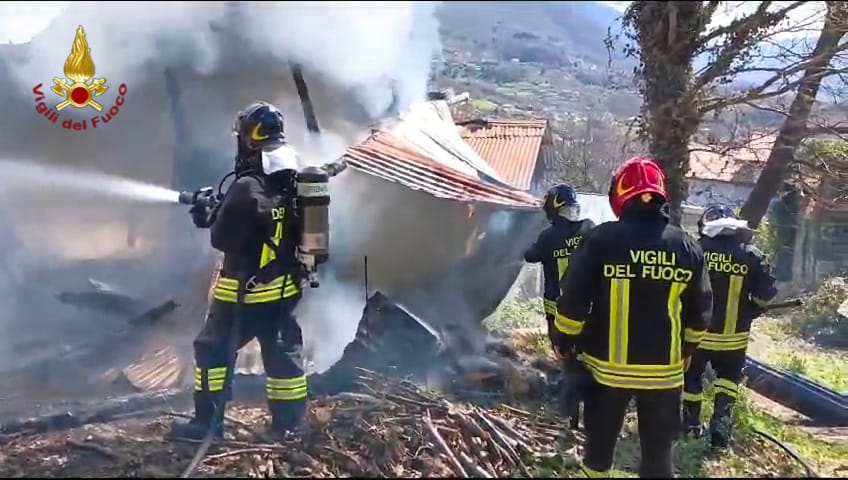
749 456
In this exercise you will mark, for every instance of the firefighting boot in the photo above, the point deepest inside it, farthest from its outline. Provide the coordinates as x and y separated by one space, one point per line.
692 419
204 416
287 417
721 423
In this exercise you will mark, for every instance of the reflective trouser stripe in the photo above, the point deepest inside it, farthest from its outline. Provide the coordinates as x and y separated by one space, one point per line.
562 266
286 388
567 325
215 378
693 336
759 301
619 318
282 287
550 306
674 308
692 397
726 387
721 342
594 473
731 313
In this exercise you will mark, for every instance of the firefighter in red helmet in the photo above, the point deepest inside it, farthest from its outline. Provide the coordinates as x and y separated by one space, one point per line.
636 302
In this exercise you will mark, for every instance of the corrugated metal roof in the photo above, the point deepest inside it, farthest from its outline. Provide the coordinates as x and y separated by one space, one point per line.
388 157
510 146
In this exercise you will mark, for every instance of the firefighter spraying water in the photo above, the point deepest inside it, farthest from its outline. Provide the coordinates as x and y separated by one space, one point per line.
272 224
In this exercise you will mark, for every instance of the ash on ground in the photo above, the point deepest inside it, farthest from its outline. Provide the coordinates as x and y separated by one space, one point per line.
385 428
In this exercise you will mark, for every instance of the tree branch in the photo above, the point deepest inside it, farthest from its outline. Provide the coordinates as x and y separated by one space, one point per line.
741 35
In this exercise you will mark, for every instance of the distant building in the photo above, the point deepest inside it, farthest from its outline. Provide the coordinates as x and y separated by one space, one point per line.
522 152
727 176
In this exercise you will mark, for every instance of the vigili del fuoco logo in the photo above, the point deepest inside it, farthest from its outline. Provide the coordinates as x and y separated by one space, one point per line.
78 90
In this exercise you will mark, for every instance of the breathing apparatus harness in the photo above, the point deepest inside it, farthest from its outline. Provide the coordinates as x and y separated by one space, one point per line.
311 202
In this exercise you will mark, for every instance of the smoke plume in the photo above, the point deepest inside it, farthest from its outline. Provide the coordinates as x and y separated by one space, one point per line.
362 61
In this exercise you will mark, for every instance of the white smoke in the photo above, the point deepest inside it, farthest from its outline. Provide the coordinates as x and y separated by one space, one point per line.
378 53
367 48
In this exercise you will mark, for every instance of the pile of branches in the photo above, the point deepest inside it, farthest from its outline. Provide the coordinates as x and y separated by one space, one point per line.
392 428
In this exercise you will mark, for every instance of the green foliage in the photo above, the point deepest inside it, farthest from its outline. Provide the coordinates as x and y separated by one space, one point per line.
819 318
513 314
765 238
483 105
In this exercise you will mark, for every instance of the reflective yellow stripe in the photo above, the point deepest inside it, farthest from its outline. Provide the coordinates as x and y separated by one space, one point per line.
268 255
759 301
692 397
725 386
567 325
226 290
286 388
633 369
215 378
721 342
594 473
550 306
674 307
693 336
731 313
562 266
640 377
619 319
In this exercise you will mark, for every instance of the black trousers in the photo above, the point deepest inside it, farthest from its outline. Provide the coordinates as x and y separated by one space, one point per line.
728 366
659 422
279 335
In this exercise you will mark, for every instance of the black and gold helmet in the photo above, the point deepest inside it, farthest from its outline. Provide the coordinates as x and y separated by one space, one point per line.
260 127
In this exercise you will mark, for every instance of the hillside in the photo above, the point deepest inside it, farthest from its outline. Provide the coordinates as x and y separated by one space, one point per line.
550 59
539 57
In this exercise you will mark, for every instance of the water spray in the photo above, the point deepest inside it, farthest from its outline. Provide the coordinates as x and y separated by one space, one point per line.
23 174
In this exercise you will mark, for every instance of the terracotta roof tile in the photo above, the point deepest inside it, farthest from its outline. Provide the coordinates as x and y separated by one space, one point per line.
737 165
510 146
385 156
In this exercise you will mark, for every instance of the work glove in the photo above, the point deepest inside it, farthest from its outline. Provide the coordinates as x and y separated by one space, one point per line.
200 216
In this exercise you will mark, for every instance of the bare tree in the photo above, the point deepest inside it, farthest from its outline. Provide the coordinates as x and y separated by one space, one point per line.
666 37
589 148
796 126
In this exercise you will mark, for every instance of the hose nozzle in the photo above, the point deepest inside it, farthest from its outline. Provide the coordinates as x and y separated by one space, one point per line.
203 197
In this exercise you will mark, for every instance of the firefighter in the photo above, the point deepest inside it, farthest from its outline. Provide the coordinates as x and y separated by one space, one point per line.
635 303
743 284
254 227
555 243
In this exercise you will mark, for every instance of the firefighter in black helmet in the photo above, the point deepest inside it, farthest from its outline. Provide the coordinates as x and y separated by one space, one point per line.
742 285
255 228
635 303
556 243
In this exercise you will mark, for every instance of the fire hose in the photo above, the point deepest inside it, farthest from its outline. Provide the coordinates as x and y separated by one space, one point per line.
228 379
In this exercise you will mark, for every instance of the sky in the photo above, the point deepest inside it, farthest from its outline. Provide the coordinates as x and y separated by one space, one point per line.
19 21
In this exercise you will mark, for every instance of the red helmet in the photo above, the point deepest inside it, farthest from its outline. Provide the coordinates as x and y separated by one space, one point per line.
637 176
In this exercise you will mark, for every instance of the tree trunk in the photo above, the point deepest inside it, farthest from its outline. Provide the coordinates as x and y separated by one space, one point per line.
794 127
666 28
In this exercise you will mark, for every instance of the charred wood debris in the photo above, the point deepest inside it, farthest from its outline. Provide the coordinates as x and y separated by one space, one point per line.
406 399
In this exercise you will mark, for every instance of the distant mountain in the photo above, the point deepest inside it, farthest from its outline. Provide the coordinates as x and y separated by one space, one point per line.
547 32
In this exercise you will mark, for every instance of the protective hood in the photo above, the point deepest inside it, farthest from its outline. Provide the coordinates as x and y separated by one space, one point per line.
725 226
283 158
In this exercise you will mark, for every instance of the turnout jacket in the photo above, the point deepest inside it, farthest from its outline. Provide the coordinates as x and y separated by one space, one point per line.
256 230
636 300
552 249
742 285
